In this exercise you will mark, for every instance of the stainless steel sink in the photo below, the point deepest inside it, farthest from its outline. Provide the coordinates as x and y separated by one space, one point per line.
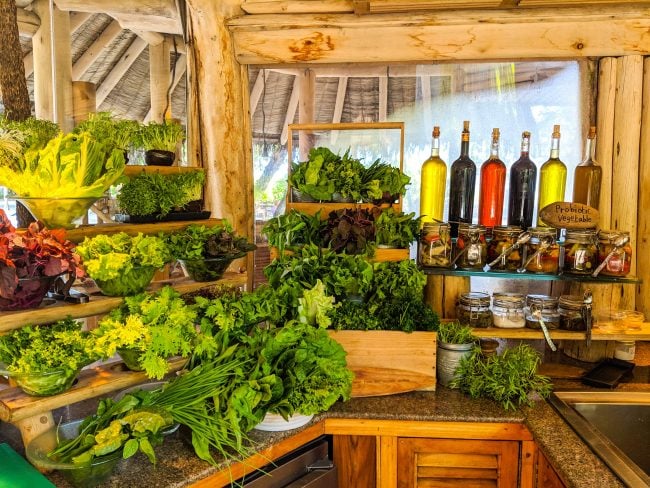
616 425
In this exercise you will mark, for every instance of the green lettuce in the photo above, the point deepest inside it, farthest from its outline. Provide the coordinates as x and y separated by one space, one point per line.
314 306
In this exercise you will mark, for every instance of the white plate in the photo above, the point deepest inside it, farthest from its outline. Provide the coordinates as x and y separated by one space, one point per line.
274 422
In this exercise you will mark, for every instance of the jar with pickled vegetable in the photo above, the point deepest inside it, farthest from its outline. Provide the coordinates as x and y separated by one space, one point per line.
501 248
471 247
572 313
580 251
548 306
508 310
542 251
621 260
434 247
473 309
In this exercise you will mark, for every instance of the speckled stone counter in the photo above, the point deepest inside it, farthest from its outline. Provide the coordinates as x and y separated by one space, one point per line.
575 462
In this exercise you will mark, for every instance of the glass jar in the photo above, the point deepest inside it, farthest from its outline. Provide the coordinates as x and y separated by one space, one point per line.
434 247
580 251
548 307
572 313
542 251
473 309
620 262
503 238
471 248
508 310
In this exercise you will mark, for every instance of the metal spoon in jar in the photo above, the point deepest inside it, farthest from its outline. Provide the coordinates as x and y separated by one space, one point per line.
619 242
523 238
543 246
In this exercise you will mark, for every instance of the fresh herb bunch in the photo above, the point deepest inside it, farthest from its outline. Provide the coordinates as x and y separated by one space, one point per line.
162 136
35 133
455 333
314 176
293 229
398 280
507 379
198 242
347 174
407 315
158 326
103 126
351 231
351 315
155 193
108 257
396 229
40 349
11 146
382 182
69 166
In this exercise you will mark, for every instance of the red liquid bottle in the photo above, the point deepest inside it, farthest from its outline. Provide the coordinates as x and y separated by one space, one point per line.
493 183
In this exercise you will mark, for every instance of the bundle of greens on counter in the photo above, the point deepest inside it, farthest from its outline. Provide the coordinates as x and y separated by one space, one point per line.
327 176
508 378
153 327
159 194
198 242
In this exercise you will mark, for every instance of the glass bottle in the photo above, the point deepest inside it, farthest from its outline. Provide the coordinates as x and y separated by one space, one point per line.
552 179
588 175
461 185
493 186
523 181
433 182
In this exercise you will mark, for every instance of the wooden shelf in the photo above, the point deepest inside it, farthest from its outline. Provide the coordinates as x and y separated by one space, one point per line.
596 335
609 280
325 208
134 170
92 382
78 234
99 304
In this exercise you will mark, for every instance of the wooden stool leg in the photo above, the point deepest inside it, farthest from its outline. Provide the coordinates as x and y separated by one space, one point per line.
32 427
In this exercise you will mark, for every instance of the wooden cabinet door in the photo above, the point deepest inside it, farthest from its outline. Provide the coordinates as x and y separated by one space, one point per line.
442 463
547 477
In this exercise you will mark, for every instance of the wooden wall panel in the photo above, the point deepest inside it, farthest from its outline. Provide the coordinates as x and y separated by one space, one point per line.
355 458
643 228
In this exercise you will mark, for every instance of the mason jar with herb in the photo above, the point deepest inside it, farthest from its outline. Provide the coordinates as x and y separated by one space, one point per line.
503 239
621 260
471 248
508 310
434 248
580 251
572 313
548 306
542 251
473 309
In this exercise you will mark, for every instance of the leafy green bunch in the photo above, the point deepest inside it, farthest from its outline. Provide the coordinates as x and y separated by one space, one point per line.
507 379
455 333
293 229
103 126
162 136
158 326
396 229
198 242
155 193
107 257
351 231
34 133
314 176
11 146
383 182
39 349
347 174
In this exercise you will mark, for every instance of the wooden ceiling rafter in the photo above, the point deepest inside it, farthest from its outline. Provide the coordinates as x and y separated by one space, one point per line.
119 70
90 55
291 110
28 22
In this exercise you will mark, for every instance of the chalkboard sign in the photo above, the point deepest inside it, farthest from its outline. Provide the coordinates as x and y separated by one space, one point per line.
569 215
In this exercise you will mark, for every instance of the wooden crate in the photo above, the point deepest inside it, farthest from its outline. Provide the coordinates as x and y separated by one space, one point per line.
389 362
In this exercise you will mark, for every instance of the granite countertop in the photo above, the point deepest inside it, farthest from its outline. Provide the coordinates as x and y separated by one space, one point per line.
178 466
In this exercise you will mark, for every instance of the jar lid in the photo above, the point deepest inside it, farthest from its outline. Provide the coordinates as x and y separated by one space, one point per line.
432 226
475 298
507 230
471 229
542 232
571 302
580 234
508 300
611 234
545 301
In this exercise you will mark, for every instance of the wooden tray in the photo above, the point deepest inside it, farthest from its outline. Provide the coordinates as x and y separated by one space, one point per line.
389 362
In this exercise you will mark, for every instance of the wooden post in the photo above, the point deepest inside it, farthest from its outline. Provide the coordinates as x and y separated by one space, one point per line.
218 113
159 80
306 110
83 100
643 229
53 65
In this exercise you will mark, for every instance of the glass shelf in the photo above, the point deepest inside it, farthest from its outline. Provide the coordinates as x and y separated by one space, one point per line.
532 276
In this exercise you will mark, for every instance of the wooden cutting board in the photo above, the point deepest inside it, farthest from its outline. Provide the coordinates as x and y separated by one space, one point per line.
384 381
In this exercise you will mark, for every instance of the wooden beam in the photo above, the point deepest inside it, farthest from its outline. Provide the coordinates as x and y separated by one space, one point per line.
83 102
258 89
306 111
383 99
118 71
151 38
605 136
159 82
460 35
297 6
181 69
291 110
643 228
338 106
386 6
77 19
85 61
28 22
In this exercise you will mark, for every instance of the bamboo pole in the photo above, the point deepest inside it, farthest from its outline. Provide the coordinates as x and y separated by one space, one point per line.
643 229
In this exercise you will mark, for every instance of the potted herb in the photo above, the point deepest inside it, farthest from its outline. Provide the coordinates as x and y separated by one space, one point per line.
292 230
383 183
122 265
351 231
508 378
396 229
44 360
146 330
30 261
455 341
160 141
206 252
149 197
